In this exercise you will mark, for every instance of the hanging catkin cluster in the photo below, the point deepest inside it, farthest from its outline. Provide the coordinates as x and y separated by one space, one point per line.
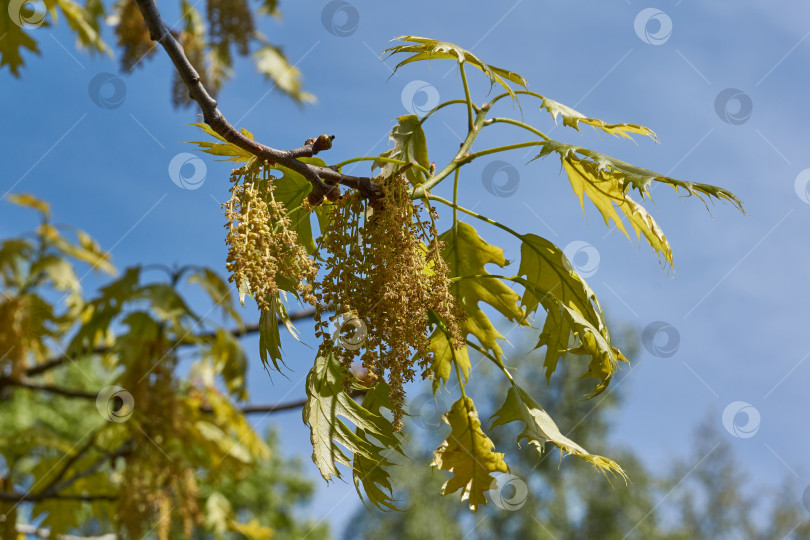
384 275
160 487
262 245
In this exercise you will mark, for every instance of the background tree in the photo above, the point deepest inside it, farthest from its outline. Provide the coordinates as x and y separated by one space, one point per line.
546 498
102 431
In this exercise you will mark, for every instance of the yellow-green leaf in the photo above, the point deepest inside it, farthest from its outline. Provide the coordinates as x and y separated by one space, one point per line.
540 429
429 49
26 199
327 402
371 472
467 255
469 454
445 354
572 118
410 146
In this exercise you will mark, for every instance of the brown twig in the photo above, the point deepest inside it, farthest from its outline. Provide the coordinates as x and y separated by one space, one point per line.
323 179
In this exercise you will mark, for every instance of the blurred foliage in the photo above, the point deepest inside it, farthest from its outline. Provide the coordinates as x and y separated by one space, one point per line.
99 430
212 42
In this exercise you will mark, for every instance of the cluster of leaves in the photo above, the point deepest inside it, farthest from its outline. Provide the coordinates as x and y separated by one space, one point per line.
210 42
574 322
96 421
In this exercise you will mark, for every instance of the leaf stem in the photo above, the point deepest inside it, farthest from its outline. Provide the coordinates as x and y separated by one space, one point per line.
443 105
470 124
340 165
470 157
420 190
519 124
475 215
455 202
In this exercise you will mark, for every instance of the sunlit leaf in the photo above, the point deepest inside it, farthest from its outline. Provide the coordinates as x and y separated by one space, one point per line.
327 401
430 49
467 255
572 118
371 473
410 146
469 454
539 429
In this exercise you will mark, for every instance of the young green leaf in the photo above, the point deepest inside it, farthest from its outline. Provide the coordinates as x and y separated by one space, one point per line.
372 474
410 146
572 118
291 190
540 429
469 454
224 149
445 354
607 190
429 49
467 255
327 401
547 269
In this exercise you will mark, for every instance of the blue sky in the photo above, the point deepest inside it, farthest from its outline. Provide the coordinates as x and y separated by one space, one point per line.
738 298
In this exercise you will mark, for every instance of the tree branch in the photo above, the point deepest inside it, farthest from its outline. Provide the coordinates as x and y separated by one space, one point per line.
236 332
10 496
323 179
80 394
